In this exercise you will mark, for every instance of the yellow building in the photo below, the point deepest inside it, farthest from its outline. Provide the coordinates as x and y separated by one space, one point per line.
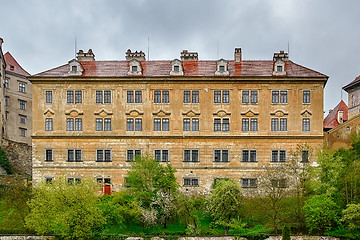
209 119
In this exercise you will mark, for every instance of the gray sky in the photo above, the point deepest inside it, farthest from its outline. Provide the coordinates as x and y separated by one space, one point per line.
323 34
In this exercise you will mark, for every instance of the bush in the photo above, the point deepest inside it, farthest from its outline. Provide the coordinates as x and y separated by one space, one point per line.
4 162
286 233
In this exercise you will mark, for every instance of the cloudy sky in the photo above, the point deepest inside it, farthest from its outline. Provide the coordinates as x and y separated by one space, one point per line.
323 35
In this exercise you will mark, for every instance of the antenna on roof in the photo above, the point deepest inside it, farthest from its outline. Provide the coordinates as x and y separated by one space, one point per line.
341 91
75 48
217 56
288 48
148 49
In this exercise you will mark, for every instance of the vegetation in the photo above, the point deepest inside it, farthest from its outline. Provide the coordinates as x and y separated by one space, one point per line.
4 162
286 233
324 200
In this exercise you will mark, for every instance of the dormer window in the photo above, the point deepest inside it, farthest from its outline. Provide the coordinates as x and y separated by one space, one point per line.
12 67
176 68
279 61
134 67
221 68
75 68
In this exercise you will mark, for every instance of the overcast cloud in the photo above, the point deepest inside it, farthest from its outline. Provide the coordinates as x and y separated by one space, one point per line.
322 34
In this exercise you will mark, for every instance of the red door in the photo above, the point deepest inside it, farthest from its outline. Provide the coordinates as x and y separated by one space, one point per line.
107 190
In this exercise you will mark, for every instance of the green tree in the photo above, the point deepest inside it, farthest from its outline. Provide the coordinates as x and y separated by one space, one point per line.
70 211
351 217
190 209
225 203
14 209
154 186
286 233
321 213
4 162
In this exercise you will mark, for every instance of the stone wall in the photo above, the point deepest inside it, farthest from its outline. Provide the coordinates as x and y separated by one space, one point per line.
26 238
19 155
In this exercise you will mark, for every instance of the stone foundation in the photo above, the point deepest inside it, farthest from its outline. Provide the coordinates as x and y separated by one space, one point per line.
19 156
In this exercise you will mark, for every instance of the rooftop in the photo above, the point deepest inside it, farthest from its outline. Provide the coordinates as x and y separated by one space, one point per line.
13 66
331 119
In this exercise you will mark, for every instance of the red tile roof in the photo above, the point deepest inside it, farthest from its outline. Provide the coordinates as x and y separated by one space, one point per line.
350 86
191 69
13 66
331 119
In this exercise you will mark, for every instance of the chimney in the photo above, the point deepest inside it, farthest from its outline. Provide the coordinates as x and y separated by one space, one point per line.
281 56
140 56
237 55
340 117
89 56
189 56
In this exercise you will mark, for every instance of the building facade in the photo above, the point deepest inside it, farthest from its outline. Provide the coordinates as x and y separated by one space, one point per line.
209 119
353 90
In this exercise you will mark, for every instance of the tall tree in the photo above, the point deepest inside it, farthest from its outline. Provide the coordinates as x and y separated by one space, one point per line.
225 203
154 186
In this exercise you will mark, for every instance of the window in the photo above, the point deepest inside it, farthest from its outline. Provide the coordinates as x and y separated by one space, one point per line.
78 96
221 96
191 155
22 87
275 97
138 124
283 96
278 156
49 180
305 156
72 181
306 96
191 182
103 155
221 124
107 124
99 124
103 96
245 96
176 68
132 154
6 83
74 124
48 96
138 96
7 100
102 181
254 96
249 156
245 125
74 155
22 119
73 69
279 68
161 155
22 104
161 124
191 124
248 182
161 96
253 124
48 124
306 124
134 69
49 155
70 97
130 96
275 124
22 132
191 96
221 155
278 183
130 124
103 124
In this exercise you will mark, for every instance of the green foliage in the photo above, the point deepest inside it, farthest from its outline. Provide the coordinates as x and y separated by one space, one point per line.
225 203
321 213
286 233
69 211
14 208
155 188
351 217
190 210
4 162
